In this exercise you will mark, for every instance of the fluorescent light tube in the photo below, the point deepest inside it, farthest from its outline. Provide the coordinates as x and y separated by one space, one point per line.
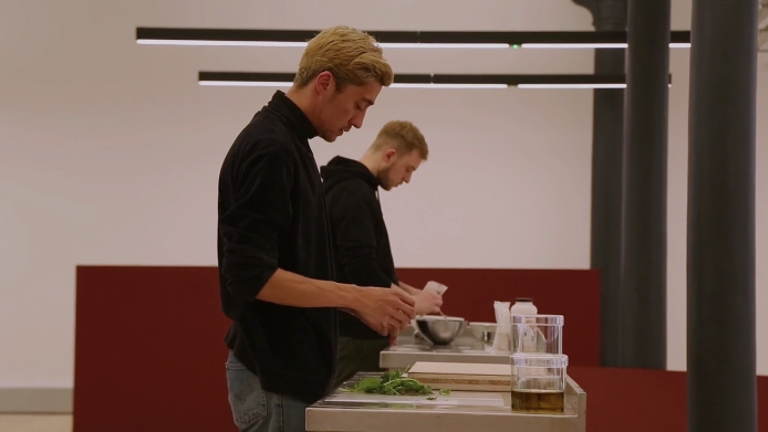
575 86
572 86
394 85
573 45
221 43
445 45
277 44
247 83
593 45
449 86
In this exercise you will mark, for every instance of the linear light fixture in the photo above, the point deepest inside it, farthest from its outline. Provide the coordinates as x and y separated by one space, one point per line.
398 39
594 45
433 81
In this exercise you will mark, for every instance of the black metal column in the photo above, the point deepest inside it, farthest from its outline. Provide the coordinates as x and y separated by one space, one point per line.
721 217
644 217
607 156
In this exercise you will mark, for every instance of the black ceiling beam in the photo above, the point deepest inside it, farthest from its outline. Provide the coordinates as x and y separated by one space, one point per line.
468 37
510 80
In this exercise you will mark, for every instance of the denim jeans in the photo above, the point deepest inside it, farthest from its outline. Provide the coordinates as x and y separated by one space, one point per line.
256 410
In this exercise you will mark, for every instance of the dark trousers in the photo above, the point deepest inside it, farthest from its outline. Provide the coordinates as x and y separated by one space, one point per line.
358 355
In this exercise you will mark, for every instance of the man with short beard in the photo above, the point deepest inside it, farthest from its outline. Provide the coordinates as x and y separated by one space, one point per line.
362 252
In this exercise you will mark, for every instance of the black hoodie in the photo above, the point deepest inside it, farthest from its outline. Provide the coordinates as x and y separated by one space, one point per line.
362 255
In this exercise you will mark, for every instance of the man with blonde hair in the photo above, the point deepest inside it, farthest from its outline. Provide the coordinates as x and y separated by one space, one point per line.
361 244
274 248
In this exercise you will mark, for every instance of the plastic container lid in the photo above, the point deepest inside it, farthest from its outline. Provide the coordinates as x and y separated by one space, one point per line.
540 360
556 320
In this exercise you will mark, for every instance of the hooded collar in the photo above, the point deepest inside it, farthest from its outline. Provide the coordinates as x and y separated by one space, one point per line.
340 168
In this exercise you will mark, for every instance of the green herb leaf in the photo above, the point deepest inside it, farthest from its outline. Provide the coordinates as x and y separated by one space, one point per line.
367 384
392 383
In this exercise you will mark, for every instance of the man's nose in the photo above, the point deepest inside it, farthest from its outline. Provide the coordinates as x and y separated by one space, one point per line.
357 120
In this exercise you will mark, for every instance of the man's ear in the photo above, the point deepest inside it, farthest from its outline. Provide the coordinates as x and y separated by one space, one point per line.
324 82
390 155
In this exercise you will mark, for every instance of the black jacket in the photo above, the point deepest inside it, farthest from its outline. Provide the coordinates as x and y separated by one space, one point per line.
362 254
272 214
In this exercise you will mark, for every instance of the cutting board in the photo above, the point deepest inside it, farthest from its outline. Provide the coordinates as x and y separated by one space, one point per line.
457 398
463 376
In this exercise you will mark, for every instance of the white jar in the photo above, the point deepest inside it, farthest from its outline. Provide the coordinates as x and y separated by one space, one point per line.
523 306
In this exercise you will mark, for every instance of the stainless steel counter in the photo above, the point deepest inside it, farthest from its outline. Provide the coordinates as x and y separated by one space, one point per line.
461 411
467 348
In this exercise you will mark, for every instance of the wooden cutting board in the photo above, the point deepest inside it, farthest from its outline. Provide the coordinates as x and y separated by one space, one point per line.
462 376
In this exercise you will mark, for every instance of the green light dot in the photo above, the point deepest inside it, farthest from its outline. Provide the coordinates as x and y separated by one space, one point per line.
515 46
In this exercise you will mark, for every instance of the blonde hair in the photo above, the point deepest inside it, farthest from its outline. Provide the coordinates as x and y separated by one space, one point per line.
352 56
403 136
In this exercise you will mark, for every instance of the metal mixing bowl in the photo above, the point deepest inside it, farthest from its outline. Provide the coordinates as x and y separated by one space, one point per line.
484 331
440 330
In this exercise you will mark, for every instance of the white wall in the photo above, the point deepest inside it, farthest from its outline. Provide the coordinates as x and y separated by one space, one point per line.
109 151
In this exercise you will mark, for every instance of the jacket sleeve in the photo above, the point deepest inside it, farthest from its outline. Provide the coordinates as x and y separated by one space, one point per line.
353 212
260 209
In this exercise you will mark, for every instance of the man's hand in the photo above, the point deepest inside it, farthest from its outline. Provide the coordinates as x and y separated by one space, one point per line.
385 310
427 302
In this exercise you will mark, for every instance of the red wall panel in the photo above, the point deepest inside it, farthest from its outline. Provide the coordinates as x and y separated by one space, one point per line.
149 352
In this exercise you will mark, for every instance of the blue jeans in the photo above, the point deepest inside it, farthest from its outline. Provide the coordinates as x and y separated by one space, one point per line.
256 410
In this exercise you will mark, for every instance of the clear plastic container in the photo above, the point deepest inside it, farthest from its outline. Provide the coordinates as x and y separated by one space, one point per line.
538 382
537 334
